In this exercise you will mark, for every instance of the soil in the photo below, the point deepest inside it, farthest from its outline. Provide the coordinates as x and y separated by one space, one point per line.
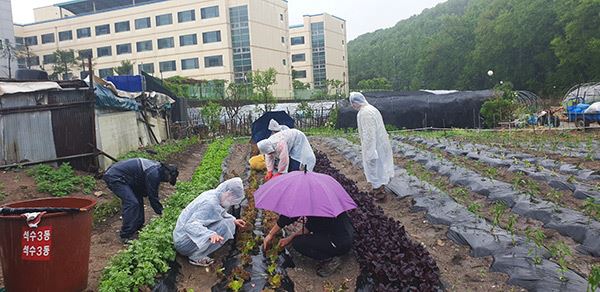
202 279
459 271
105 238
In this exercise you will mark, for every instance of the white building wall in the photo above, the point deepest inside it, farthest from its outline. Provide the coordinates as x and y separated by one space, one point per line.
7 35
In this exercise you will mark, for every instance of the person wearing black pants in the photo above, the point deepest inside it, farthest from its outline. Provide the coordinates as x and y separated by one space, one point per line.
323 239
133 179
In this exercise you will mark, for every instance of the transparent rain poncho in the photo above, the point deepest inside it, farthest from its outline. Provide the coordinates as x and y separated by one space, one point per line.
377 158
205 216
285 144
274 126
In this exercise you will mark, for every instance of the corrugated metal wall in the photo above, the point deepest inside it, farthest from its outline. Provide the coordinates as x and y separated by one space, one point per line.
47 125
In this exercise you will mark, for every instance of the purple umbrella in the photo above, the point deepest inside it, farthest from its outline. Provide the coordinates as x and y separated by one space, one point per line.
304 194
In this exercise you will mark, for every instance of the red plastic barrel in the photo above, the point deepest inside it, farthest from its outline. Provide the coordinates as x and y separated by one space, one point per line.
52 257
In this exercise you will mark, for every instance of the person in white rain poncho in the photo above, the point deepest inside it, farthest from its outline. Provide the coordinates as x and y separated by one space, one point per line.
377 159
292 149
275 127
204 225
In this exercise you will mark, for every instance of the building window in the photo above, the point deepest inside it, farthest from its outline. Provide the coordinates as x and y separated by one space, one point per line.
318 54
343 42
34 60
31 41
164 19
211 37
148 68
342 26
283 40
65 35
186 16
102 29
47 38
240 41
143 46
104 51
297 40
209 12
103 73
49 59
213 61
84 54
85 32
123 49
18 41
187 64
142 23
122 26
298 74
166 43
298 58
188 40
167 66
284 61
281 16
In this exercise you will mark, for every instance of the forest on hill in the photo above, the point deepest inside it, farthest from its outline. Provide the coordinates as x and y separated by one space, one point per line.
545 46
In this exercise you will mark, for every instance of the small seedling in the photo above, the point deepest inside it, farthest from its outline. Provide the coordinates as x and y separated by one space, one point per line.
537 237
498 210
512 221
594 279
560 251
591 208
555 196
461 194
492 173
235 285
475 208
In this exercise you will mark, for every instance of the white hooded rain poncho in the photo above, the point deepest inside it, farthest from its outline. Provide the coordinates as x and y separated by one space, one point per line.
377 158
275 127
205 216
285 144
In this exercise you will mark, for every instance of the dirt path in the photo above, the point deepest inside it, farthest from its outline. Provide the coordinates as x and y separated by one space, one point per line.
459 271
105 238
202 279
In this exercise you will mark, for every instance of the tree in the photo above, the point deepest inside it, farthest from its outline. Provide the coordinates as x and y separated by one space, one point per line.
10 53
299 85
337 87
233 99
126 68
262 81
64 61
380 83
211 116
501 108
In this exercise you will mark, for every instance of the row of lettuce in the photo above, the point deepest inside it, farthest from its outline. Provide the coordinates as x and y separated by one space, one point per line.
149 256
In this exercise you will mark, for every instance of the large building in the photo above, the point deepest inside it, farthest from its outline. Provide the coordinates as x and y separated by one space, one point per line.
209 39
319 51
7 36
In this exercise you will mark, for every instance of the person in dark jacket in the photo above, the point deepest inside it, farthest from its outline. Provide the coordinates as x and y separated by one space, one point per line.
133 179
323 239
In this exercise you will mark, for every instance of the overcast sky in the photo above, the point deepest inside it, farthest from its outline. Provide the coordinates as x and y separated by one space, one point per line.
362 16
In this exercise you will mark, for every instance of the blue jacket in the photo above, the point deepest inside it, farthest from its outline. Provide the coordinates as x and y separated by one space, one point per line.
142 175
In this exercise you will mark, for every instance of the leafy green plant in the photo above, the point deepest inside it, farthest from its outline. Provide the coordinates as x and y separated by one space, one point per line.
537 237
497 212
555 196
560 251
106 209
491 172
60 181
461 194
511 224
342 287
594 279
148 256
591 208
235 285
211 116
163 151
2 194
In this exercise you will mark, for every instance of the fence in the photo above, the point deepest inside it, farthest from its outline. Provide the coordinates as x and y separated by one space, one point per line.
316 115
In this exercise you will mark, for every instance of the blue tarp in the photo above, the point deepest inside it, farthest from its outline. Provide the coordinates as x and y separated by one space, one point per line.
260 127
105 98
128 83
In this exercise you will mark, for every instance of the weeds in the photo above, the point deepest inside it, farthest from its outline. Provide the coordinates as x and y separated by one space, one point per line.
475 208
560 251
512 222
330 287
591 208
594 279
106 210
61 181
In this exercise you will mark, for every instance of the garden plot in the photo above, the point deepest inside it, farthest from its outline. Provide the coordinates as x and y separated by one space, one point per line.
567 222
553 185
514 255
574 172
